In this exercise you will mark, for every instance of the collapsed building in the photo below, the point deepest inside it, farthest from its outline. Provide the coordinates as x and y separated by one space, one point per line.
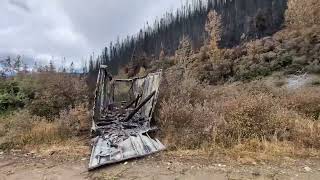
121 123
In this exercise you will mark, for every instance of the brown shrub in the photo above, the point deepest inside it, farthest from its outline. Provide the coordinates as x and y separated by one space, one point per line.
306 133
22 128
252 116
306 101
184 51
43 132
56 92
293 50
214 29
18 129
303 12
196 116
76 121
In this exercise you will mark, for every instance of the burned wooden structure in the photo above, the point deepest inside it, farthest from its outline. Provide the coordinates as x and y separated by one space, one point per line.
122 115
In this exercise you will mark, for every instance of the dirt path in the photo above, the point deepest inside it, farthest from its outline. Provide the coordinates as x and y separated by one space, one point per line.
161 166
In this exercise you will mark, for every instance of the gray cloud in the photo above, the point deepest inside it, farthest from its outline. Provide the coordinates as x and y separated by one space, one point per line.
20 4
73 29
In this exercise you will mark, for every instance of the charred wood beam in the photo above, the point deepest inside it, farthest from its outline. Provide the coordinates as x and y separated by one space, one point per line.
128 80
147 99
134 102
123 80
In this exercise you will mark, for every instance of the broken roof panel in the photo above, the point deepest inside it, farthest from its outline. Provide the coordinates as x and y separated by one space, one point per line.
121 118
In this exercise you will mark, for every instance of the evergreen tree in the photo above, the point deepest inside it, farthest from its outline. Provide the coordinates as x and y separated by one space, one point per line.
35 67
25 69
51 66
85 68
71 68
91 64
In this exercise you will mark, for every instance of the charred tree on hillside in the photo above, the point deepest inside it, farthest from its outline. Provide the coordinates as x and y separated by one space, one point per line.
241 20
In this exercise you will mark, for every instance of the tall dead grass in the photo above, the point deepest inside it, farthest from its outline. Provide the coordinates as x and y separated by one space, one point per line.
22 129
303 13
195 116
305 101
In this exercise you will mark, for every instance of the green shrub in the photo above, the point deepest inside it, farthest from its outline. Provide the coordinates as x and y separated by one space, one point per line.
284 61
44 94
56 92
12 96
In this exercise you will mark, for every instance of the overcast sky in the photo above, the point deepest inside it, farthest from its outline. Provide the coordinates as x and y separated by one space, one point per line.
46 29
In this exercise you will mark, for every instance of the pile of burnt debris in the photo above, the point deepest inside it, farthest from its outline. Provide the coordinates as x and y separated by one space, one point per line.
120 128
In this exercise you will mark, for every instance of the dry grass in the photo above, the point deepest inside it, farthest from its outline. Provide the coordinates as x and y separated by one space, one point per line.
43 133
235 117
305 101
23 129
74 148
303 12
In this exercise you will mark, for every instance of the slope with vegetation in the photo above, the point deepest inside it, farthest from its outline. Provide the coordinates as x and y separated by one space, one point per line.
237 101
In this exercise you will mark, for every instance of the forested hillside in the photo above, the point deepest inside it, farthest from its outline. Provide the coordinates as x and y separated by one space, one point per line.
242 20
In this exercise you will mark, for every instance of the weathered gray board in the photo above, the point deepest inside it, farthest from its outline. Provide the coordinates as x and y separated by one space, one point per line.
120 129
